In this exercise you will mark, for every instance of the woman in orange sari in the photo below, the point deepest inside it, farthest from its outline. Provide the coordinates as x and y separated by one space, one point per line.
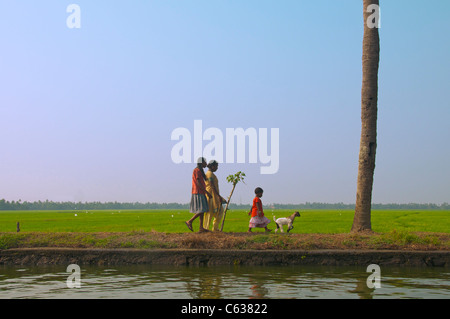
199 203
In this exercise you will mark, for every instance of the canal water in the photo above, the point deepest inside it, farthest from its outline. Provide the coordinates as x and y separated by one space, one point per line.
235 282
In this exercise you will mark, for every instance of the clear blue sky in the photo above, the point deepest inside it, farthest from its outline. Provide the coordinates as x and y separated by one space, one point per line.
87 114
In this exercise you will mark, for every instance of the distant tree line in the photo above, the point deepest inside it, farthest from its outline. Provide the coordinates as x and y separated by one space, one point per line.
50 205
307 205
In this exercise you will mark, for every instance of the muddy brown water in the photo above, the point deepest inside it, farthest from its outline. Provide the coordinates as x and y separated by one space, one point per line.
207 282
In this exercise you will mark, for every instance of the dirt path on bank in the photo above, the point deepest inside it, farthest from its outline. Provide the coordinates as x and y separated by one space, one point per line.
208 257
395 248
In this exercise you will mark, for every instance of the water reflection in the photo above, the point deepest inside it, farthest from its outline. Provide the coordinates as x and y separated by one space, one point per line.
170 282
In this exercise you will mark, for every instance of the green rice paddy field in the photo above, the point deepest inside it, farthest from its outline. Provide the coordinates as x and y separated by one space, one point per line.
172 221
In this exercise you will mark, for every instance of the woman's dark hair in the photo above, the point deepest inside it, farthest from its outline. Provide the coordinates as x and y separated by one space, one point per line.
212 163
200 161
258 190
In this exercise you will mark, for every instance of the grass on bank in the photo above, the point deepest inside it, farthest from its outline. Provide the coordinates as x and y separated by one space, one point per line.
156 240
156 229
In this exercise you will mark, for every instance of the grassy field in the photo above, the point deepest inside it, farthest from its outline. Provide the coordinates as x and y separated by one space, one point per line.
154 229
172 221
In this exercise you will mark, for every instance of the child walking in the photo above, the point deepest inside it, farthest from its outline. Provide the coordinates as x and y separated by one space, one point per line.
258 219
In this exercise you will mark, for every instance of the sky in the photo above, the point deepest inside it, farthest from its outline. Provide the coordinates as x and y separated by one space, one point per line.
88 114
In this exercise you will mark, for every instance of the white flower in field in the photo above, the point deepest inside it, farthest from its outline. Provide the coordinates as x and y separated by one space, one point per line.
76 215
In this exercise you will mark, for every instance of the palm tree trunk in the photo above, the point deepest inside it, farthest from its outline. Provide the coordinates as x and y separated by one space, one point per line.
368 142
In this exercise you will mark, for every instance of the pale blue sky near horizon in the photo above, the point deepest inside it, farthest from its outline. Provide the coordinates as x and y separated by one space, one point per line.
87 114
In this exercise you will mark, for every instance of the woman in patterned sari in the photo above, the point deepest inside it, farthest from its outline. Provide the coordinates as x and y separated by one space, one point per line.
215 201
